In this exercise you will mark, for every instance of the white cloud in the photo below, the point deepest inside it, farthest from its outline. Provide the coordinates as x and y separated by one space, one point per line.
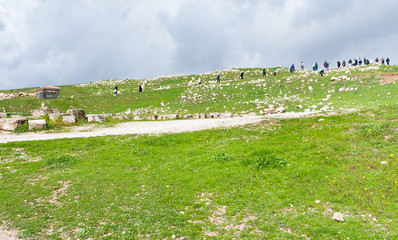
66 42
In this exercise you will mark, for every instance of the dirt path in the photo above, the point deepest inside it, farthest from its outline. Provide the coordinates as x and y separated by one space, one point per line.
147 127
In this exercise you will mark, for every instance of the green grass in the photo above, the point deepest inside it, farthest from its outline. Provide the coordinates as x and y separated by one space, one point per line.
281 179
183 95
266 178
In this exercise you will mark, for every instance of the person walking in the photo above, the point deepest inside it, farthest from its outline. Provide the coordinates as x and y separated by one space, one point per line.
264 74
218 78
241 75
292 68
115 91
388 61
274 71
302 66
338 64
382 60
344 64
140 89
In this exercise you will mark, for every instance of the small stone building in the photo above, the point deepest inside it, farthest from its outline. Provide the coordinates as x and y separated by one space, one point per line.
48 92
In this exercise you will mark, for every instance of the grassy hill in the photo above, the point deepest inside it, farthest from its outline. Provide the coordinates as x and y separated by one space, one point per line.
183 94
281 179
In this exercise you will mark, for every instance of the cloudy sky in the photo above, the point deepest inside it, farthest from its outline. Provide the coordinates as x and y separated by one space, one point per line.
58 42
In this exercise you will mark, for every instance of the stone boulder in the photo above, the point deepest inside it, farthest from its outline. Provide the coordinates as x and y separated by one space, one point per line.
78 113
69 119
196 116
37 124
153 117
214 115
95 118
338 217
226 115
188 116
10 124
138 118
203 115
3 115
280 110
41 112
55 116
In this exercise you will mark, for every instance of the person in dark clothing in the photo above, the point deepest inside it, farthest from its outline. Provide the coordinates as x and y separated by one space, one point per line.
355 62
315 66
382 60
350 62
241 75
322 73
218 78
302 66
338 64
325 64
343 63
388 61
264 72
274 71
292 68
377 60
115 91
140 89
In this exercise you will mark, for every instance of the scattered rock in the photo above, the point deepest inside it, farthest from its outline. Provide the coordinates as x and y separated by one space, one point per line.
138 118
69 119
384 163
95 118
55 116
280 110
10 124
78 113
338 217
3 115
37 124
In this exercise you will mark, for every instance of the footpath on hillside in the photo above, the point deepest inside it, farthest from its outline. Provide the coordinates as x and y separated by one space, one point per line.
145 127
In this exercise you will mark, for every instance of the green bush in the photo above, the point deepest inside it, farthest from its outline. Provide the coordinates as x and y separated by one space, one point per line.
23 128
264 159
61 161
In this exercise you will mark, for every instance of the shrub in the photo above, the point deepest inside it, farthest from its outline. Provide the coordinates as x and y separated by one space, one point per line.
265 159
61 161
23 128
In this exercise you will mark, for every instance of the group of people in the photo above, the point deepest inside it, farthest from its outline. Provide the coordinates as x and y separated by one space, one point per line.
326 65
116 90
351 62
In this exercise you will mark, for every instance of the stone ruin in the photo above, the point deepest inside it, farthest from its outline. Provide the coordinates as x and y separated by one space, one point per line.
8 123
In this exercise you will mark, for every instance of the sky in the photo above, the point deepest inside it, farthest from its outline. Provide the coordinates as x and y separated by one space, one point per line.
60 42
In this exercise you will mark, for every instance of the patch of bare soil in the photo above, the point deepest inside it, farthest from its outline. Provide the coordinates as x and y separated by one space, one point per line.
7 234
387 78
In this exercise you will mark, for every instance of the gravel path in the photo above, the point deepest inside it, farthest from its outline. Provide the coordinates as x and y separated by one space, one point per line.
147 127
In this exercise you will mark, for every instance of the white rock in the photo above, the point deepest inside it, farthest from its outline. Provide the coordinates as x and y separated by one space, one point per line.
338 217
384 163
37 124
310 88
69 119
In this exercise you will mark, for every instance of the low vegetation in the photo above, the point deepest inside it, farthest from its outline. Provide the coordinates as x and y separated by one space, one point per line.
280 179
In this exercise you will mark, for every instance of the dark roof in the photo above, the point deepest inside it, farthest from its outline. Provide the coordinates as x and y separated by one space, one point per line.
48 88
